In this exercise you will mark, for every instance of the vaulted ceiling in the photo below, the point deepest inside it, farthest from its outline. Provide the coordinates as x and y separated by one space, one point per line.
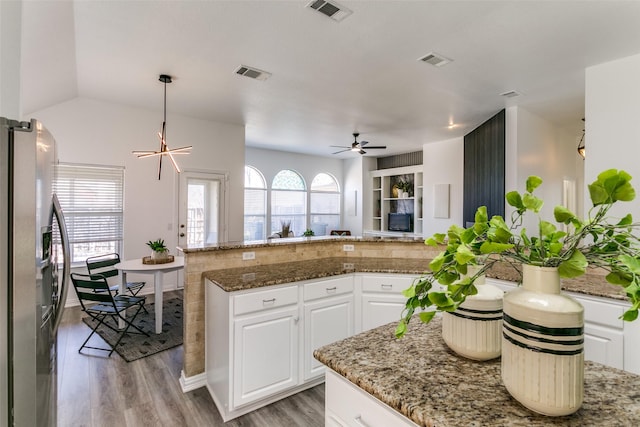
328 78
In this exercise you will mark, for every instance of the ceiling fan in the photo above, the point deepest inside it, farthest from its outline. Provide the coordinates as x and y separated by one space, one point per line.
358 146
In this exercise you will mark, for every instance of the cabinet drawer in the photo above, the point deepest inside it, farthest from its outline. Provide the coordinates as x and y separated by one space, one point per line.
607 314
265 300
327 288
386 284
348 405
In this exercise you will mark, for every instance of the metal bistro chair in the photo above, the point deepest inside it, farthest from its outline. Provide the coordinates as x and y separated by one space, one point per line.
98 302
104 265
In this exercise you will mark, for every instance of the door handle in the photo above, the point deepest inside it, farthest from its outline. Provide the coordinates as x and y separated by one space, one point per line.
56 210
181 234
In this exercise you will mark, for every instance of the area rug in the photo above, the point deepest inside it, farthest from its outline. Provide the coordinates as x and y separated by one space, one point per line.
137 346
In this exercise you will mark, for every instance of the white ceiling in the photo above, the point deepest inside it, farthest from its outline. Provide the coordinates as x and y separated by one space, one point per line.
328 78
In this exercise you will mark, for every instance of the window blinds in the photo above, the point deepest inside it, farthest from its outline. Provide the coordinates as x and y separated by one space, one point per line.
92 201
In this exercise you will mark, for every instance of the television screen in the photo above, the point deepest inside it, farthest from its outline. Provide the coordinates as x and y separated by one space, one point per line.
400 222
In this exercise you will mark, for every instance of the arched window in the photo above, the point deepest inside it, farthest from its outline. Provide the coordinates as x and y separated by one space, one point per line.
288 202
324 204
255 204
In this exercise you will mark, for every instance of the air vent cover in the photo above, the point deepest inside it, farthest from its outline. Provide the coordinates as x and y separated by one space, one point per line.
510 94
330 9
435 59
253 73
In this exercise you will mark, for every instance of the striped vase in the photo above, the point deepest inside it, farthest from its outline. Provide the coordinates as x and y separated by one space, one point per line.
543 344
474 330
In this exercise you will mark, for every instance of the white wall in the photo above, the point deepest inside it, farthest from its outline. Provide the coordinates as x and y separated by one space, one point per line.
356 173
442 164
545 150
10 43
95 132
270 162
612 107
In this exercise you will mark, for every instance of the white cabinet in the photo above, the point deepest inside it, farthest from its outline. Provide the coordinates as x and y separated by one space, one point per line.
252 350
328 317
387 198
265 354
603 331
382 299
348 405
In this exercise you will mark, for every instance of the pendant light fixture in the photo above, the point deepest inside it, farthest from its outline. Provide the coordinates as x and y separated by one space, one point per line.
164 148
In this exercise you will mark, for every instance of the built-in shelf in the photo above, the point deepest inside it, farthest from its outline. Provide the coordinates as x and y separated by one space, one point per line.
386 200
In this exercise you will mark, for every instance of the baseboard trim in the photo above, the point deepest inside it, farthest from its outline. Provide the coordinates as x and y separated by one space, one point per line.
194 382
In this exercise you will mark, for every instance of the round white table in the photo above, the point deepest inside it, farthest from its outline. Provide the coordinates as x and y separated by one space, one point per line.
136 266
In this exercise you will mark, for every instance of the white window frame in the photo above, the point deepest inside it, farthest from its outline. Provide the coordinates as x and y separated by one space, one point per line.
304 215
262 188
313 192
97 222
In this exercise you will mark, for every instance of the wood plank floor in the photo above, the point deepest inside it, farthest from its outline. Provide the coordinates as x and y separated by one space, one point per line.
96 391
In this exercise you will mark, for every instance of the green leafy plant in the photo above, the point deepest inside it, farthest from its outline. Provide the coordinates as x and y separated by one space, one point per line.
598 241
308 233
157 245
405 186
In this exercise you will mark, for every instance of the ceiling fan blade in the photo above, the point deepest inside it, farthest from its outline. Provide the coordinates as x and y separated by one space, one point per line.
339 146
362 151
342 151
363 143
376 147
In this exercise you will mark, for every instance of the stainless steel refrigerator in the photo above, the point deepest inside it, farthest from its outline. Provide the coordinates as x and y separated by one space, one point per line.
33 290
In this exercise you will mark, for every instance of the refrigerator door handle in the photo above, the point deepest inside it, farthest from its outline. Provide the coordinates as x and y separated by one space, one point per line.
56 210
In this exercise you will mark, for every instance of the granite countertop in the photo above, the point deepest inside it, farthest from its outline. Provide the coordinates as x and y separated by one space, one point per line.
243 278
422 379
247 244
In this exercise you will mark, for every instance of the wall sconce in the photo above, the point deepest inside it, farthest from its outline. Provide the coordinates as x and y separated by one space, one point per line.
581 148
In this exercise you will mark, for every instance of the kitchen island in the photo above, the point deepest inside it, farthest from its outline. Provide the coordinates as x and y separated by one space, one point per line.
255 264
421 380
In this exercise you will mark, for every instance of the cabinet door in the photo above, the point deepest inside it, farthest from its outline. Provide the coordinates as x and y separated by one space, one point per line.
265 358
325 321
604 345
378 310
603 331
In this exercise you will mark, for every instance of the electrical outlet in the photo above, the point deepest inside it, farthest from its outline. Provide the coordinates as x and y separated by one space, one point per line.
348 266
347 248
248 255
248 277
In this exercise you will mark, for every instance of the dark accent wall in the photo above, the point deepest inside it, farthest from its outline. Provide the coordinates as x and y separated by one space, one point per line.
399 160
484 158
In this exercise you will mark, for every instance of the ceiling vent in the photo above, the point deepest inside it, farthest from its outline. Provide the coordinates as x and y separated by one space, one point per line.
330 9
435 59
253 73
510 94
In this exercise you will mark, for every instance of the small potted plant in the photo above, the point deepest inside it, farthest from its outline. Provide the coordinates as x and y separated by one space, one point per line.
308 233
541 325
158 249
286 228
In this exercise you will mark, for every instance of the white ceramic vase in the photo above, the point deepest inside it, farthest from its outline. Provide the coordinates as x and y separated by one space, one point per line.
543 344
474 330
